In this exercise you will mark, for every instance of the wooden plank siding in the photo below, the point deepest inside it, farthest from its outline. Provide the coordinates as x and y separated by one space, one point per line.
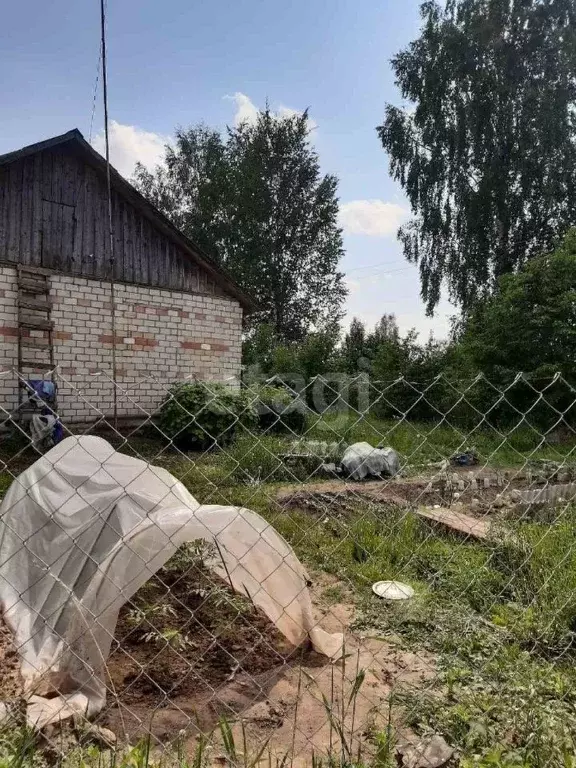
54 215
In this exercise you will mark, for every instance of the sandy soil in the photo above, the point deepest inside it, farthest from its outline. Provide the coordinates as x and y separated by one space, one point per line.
246 672
269 692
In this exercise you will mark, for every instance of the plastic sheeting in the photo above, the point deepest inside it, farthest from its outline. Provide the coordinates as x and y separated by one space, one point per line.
362 460
85 527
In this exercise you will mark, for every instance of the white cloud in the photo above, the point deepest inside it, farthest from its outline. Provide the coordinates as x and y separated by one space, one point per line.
375 218
283 111
247 111
129 145
289 112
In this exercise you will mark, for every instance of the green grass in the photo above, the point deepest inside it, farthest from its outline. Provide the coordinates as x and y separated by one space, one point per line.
525 585
422 442
499 704
257 459
501 630
500 617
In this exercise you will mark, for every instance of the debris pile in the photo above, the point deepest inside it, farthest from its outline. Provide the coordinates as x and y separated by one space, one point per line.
334 459
362 460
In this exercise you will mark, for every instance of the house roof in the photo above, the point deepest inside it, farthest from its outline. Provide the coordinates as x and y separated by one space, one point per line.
119 183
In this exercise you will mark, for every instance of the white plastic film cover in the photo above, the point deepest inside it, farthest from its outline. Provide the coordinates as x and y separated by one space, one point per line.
83 529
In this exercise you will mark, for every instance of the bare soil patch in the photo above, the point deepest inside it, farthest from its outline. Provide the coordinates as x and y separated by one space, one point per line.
235 664
10 683
246 672
200 653
481 488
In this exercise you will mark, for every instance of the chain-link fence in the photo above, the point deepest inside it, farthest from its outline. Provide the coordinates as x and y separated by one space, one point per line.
332 573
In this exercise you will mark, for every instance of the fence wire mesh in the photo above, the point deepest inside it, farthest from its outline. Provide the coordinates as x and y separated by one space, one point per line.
150 618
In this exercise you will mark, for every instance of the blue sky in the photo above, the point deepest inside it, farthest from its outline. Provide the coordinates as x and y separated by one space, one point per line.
176 63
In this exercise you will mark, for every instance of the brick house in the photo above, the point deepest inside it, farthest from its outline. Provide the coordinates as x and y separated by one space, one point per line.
177 314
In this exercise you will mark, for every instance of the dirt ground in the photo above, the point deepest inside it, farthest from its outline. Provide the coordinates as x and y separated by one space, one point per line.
271 692
293 717
224 668
478 489
230 662
9 664
244 670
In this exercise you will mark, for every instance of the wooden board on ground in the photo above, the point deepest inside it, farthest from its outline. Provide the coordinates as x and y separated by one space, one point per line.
456 521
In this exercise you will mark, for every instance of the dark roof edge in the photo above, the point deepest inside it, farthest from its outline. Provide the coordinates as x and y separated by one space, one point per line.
40 146
219 274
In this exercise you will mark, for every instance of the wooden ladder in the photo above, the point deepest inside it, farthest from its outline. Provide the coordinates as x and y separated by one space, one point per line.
34 313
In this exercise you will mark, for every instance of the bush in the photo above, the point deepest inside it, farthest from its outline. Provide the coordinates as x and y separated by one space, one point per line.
278 409
202 415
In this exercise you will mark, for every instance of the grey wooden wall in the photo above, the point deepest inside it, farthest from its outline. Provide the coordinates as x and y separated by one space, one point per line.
54 214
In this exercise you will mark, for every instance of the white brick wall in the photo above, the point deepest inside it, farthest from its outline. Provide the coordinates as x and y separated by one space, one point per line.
161 337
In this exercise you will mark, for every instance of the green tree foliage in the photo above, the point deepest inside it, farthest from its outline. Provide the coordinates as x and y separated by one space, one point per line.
265 352
258 348
353 353
529 324
256 201
397 356
317 354
386 329
385 354
278 409
402 368
487 154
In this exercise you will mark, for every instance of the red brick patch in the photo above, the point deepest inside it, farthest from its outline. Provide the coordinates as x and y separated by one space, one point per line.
6 330
143 342
199 316
107 338
183 314
63 335
150 309
191 345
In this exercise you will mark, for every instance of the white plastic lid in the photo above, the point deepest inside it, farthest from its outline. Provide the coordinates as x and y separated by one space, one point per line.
392 590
